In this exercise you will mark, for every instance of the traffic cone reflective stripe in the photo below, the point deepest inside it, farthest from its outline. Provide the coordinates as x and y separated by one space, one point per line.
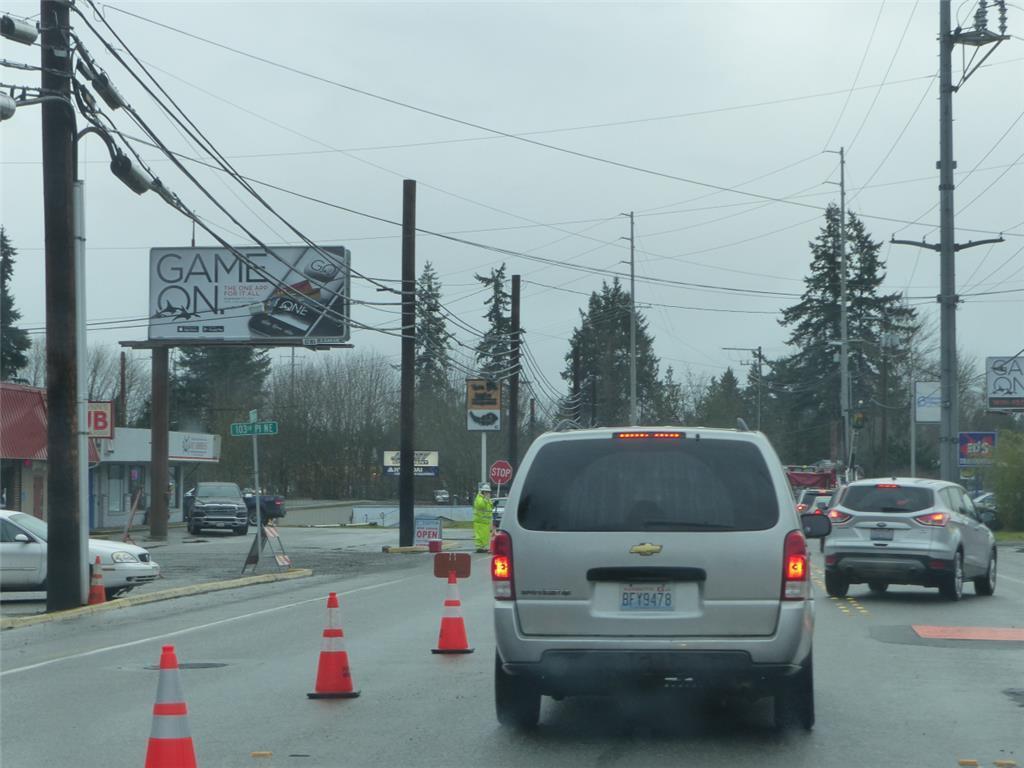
452 637
170 738
97 593
333 676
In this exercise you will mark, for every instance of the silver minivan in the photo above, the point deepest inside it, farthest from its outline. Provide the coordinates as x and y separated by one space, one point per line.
653 558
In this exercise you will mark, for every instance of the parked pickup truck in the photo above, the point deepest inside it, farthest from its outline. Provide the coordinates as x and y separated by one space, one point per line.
271 506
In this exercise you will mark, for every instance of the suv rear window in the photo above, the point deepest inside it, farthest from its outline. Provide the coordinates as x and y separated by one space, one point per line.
887 498
648 485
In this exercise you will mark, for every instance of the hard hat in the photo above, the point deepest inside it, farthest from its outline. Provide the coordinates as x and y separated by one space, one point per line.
484 487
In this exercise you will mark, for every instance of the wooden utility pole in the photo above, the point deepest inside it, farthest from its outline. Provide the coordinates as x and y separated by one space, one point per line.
64 575
407 415
513 387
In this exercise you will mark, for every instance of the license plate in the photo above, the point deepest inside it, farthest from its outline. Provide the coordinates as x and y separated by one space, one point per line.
646 597
219 525
881 534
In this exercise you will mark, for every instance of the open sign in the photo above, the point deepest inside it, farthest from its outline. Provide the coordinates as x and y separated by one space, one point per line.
427 529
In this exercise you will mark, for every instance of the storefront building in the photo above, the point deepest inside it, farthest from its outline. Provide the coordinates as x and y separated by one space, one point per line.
119 471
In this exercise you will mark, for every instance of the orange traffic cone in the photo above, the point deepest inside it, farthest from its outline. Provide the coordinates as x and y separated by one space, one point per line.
452 638
170 740
97 594
333 678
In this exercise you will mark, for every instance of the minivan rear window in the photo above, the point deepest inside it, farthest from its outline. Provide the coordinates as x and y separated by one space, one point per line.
648 485
887 498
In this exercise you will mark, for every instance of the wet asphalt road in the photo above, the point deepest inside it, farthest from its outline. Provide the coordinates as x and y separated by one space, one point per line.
884 696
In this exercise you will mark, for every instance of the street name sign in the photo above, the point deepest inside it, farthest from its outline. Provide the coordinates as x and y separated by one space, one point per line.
248 428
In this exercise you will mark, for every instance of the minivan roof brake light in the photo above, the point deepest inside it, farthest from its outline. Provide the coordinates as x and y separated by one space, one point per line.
648 435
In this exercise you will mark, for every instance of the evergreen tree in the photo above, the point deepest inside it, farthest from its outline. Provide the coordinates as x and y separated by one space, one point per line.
806 383
493 353
14 341
603 343
433 340
724 402
215 384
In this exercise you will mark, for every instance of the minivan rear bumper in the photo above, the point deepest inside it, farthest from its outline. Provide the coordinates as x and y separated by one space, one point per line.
565 673
577 665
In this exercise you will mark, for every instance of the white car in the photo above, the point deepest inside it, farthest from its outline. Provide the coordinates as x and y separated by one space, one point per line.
23 558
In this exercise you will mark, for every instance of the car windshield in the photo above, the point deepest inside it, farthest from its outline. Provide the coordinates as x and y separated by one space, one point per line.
33 525
650 485
887 498
218 489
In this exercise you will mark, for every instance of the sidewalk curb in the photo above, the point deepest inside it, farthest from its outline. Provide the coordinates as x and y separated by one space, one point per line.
153 597
418 548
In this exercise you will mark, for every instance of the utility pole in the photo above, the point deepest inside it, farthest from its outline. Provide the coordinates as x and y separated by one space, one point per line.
758 359
513 387
844 349
577 405
158 427
407 416
949 425
632 323
64 564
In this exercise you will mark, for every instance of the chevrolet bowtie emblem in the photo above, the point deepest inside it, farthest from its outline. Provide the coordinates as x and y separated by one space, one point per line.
645 549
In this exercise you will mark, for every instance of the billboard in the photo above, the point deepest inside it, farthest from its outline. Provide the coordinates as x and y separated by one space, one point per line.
977 449
1004 383
288 295
483 405
927 402
100 415
424 463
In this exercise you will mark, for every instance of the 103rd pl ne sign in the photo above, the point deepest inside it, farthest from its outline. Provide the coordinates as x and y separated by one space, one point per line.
248 428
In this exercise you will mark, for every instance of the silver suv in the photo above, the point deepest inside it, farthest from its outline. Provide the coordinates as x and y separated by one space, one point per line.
908 531
653 557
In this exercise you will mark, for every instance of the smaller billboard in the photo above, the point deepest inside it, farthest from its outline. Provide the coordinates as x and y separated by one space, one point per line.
977 449
927 402
101 419
1004 383
483 405
424 463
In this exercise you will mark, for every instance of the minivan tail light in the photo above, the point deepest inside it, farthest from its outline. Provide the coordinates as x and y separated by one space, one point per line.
933 518
795 567
501 566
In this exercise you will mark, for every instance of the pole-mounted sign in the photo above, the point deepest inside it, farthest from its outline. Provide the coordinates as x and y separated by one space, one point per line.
483 405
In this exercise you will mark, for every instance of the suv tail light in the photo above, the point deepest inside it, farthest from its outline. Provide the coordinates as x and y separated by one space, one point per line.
800 507
837 517
933 518
795 568
501 566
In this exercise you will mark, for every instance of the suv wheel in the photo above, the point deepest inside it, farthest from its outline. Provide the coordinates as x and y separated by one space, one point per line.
878 587
516 701
193 530
952 586
986 585
794 700
836 585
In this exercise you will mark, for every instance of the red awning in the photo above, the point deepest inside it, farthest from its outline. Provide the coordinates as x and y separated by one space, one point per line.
23 423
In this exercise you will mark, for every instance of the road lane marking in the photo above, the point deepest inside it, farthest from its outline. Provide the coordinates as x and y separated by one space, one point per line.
196 628
1010 578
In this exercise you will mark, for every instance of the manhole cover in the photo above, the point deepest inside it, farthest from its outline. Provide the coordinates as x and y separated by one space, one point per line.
195 665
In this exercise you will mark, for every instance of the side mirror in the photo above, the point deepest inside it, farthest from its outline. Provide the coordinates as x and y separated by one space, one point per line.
22 538
815 526
988 517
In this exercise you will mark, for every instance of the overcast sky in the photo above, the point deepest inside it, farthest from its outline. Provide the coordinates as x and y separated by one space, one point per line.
745 96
